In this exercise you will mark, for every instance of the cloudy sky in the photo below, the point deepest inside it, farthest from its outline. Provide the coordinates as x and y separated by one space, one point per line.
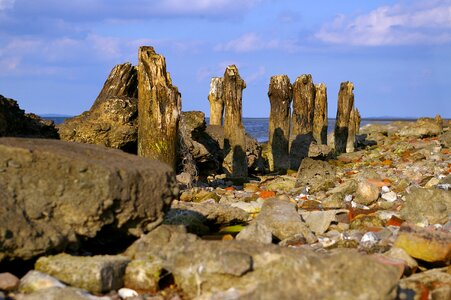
55 55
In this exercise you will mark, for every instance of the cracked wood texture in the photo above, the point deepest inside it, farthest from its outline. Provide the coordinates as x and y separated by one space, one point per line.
159 108
234 134
345 105
216 99
320 115
302 119
280 96
354 125
122 82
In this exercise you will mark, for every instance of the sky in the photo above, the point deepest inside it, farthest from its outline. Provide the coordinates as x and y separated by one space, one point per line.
55 55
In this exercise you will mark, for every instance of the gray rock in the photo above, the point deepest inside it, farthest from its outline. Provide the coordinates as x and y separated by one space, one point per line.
423 127
15 123
249 270
319 221
35 281
255 232
432 206
97 274
111 123
59 192
318 175
58 293
215 213
282 219
143 275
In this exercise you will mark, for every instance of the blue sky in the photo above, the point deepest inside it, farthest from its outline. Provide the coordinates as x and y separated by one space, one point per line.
55 55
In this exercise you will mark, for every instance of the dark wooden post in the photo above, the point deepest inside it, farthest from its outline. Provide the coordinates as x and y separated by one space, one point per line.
345 105
159 108
216 100
320 115
234 134
280 96
302 119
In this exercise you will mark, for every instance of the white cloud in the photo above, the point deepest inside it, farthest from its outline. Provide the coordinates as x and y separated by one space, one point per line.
250 42
256 75
4 4
418 23
205 6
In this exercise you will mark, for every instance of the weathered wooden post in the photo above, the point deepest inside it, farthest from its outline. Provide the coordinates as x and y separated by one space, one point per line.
216 99
345 105
302 119
122 82
354 126
280 96
234 134
320 115
159 108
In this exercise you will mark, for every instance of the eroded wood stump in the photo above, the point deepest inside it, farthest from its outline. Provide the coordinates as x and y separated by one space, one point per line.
320 114
216 99
234 133
345 105
122 82
159 106
302 119
280 96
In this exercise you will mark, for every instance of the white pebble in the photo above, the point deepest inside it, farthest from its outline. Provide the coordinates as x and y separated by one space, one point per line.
390 196
348 198
385 189
125 293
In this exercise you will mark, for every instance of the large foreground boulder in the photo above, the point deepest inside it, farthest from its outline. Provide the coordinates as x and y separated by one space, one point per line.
59 193
15 122
249 270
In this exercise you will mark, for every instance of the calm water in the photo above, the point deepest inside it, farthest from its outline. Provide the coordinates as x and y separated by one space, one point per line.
258 127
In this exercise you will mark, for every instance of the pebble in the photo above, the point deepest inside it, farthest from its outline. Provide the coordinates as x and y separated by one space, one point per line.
390 196
8 282
126 293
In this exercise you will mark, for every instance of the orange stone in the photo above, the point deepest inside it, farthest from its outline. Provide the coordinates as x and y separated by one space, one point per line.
267 194
394 221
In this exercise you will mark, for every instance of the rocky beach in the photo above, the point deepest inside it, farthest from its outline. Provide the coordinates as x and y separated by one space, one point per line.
135 199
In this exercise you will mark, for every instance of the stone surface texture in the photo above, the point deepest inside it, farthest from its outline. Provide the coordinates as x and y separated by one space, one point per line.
60 192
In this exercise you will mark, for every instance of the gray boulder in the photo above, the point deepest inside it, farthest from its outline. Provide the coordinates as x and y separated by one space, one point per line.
432 206
316 174
248 270
283 220
96 274
423 127
59 193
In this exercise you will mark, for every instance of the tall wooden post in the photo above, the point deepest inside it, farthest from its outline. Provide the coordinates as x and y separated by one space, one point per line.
345 105
320 115
354 126
234 134
280 96
216 99
302 119
159 108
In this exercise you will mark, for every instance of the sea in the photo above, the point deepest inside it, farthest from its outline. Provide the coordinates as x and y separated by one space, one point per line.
258 127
